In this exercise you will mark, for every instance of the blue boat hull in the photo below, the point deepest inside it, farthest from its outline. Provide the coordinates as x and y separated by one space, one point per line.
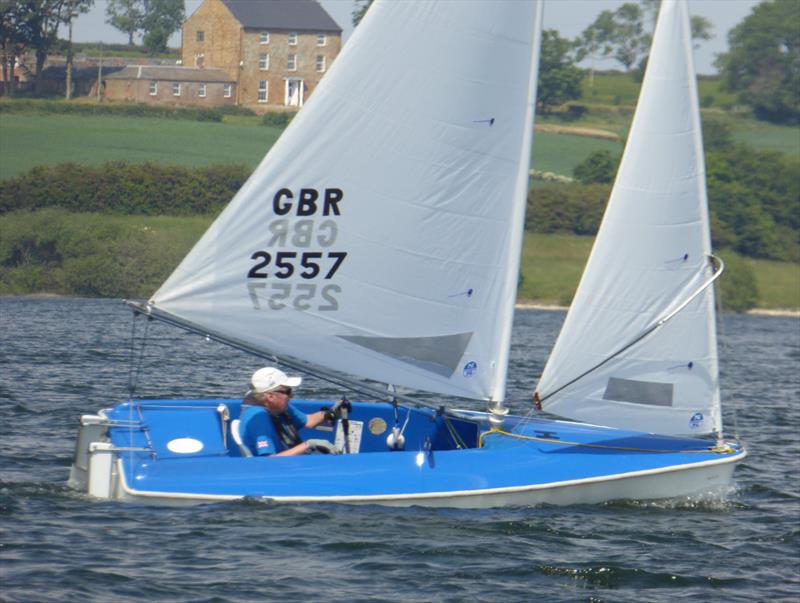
175 451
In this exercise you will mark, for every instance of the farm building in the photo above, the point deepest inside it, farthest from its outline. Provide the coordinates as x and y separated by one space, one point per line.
276 52
170 85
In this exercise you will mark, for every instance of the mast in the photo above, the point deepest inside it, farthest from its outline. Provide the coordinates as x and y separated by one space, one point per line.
518 220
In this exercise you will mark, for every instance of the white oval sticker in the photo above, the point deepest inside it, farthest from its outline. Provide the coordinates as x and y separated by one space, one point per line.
184 445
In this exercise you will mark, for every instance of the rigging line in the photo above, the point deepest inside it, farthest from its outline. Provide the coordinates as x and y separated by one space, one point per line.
717 449
155 313
134 371
652 328
722 342
453 433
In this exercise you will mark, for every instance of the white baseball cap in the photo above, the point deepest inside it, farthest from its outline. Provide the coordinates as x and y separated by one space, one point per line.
270 378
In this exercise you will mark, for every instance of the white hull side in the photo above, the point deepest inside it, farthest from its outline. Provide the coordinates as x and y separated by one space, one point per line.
699 480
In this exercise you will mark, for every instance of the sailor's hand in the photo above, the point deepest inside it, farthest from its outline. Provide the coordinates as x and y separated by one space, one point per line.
335 413
321 446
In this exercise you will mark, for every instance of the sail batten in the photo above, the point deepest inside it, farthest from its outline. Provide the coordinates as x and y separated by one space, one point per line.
648 278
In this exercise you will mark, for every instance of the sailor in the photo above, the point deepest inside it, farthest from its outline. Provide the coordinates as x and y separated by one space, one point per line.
270 424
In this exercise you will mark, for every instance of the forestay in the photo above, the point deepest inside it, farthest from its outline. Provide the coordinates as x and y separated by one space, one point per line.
380 236
651 256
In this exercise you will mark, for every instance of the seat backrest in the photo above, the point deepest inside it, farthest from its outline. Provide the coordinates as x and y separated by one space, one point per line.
237 437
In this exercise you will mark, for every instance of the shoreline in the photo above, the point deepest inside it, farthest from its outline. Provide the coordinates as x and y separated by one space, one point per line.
520 305
784 312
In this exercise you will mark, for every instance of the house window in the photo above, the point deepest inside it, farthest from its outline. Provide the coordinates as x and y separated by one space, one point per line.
199 60
263 93
291 62
176 88
263 62
322 39
293 38
200 36
153 88
201 90
263 37
227 90
321 63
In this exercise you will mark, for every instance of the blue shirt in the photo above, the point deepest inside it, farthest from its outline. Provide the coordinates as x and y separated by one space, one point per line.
258 431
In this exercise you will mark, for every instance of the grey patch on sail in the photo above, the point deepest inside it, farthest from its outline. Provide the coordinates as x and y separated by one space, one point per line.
440 354
639 392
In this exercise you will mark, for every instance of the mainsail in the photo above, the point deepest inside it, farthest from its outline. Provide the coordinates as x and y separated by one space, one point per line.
380 236
611 364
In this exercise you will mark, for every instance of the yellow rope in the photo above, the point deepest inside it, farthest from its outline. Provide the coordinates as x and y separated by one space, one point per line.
715 450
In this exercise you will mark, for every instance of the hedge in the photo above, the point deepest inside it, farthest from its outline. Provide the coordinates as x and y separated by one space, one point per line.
214 114
122 188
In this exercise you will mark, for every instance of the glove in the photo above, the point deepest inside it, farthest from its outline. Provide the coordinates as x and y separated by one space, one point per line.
321 447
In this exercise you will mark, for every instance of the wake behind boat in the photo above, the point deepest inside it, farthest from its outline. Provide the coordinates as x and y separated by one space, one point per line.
380 238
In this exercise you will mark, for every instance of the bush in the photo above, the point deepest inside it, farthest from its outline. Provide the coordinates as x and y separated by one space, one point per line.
756 196
737 289
599 167
277 119
123 188
575 208
717 135
55 251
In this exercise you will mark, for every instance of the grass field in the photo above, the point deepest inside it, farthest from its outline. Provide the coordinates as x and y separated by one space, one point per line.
31 139
560 153
28 140
620 89
778 283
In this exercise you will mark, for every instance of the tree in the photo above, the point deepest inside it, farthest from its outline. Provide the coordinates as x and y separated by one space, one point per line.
359 10
36 23
763 63
126 16
596 42
15 34
161 19
559 77
599 167
702 30
629 37
155 20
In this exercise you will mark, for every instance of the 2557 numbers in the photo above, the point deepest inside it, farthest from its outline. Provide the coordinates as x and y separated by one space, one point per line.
308 264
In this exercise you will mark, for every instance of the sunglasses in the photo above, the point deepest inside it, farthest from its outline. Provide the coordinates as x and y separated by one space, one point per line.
283 390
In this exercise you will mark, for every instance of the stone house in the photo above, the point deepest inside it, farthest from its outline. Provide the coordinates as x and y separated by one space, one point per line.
275 51
170 85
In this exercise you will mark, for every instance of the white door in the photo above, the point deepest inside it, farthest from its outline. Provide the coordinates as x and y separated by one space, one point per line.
294 92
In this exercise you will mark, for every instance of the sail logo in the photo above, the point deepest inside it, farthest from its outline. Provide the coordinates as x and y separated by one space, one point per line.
697 420
470 368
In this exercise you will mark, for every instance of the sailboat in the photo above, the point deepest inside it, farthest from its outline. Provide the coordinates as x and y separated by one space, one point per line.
377 246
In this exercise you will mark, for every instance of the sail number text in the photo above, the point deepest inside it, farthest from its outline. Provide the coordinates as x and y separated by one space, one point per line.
307 264
297 246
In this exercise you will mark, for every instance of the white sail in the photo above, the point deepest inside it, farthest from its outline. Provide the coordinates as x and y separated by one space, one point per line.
651 255
380 236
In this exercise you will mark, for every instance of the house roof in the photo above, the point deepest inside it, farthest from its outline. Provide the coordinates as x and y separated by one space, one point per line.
170 73
301 15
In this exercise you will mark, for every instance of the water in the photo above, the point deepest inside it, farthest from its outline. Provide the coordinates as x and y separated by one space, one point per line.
60 358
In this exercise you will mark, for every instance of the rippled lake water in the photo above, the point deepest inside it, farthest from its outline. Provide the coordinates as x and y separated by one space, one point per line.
61 358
